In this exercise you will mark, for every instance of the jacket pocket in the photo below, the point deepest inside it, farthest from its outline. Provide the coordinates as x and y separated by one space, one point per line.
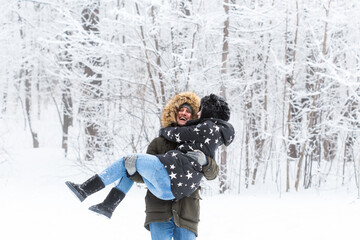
190 207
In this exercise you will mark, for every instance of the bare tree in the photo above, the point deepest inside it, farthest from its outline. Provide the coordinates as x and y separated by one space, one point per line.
293 118
26 74
224 59
92 106
311 150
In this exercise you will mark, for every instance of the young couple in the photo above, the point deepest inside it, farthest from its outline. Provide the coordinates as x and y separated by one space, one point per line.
172 168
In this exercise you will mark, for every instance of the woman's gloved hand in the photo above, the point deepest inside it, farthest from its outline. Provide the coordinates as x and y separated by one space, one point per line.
198 156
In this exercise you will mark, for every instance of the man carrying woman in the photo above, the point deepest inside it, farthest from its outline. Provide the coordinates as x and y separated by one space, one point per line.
174 175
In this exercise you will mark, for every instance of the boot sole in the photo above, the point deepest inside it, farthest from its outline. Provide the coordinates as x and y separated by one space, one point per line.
100 212
75 192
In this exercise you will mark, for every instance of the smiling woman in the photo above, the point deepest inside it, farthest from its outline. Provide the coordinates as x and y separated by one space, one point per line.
171 110
184 114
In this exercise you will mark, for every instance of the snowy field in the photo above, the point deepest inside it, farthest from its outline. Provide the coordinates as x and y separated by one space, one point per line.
35 204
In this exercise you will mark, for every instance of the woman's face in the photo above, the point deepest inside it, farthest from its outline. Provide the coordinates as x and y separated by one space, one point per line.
182 116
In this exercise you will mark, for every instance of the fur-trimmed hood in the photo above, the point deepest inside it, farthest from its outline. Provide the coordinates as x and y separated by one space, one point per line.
169 114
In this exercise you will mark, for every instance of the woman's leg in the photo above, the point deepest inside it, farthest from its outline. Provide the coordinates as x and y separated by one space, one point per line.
97 182
125 184
149 167
155 176
114 172
109 175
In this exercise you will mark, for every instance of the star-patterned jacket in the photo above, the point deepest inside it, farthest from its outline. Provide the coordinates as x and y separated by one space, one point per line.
205 135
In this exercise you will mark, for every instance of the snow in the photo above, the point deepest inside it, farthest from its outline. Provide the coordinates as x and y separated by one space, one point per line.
35 204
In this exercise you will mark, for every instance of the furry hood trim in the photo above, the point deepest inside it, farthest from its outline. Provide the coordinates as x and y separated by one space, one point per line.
172 107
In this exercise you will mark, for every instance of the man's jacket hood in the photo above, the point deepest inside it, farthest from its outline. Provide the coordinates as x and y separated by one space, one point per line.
172 107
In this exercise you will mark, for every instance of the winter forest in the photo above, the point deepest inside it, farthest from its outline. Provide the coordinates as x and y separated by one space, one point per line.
102 71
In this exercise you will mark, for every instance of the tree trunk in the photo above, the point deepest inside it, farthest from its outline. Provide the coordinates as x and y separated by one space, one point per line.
293 109
225 53
312 147
148 61
26 74
28 104
158 62
5 97
248 106
67 114
93 90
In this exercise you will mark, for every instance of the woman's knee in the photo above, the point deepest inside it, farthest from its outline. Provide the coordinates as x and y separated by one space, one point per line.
146 162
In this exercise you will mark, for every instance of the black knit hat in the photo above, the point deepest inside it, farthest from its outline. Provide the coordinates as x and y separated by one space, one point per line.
214 106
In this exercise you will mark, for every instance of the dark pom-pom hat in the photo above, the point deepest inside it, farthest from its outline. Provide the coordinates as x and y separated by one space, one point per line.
213 106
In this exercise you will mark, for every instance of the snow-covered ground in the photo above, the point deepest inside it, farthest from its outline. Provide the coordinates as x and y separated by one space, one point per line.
35 204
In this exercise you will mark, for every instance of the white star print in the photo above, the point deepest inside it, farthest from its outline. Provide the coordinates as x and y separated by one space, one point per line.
196 130
172 175
180 184
207 140
211 130
177 136
217 140
189 175
201 145
217 128
172 166
193 185
173 154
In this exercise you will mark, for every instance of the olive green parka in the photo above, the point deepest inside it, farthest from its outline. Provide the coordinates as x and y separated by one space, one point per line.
186 211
